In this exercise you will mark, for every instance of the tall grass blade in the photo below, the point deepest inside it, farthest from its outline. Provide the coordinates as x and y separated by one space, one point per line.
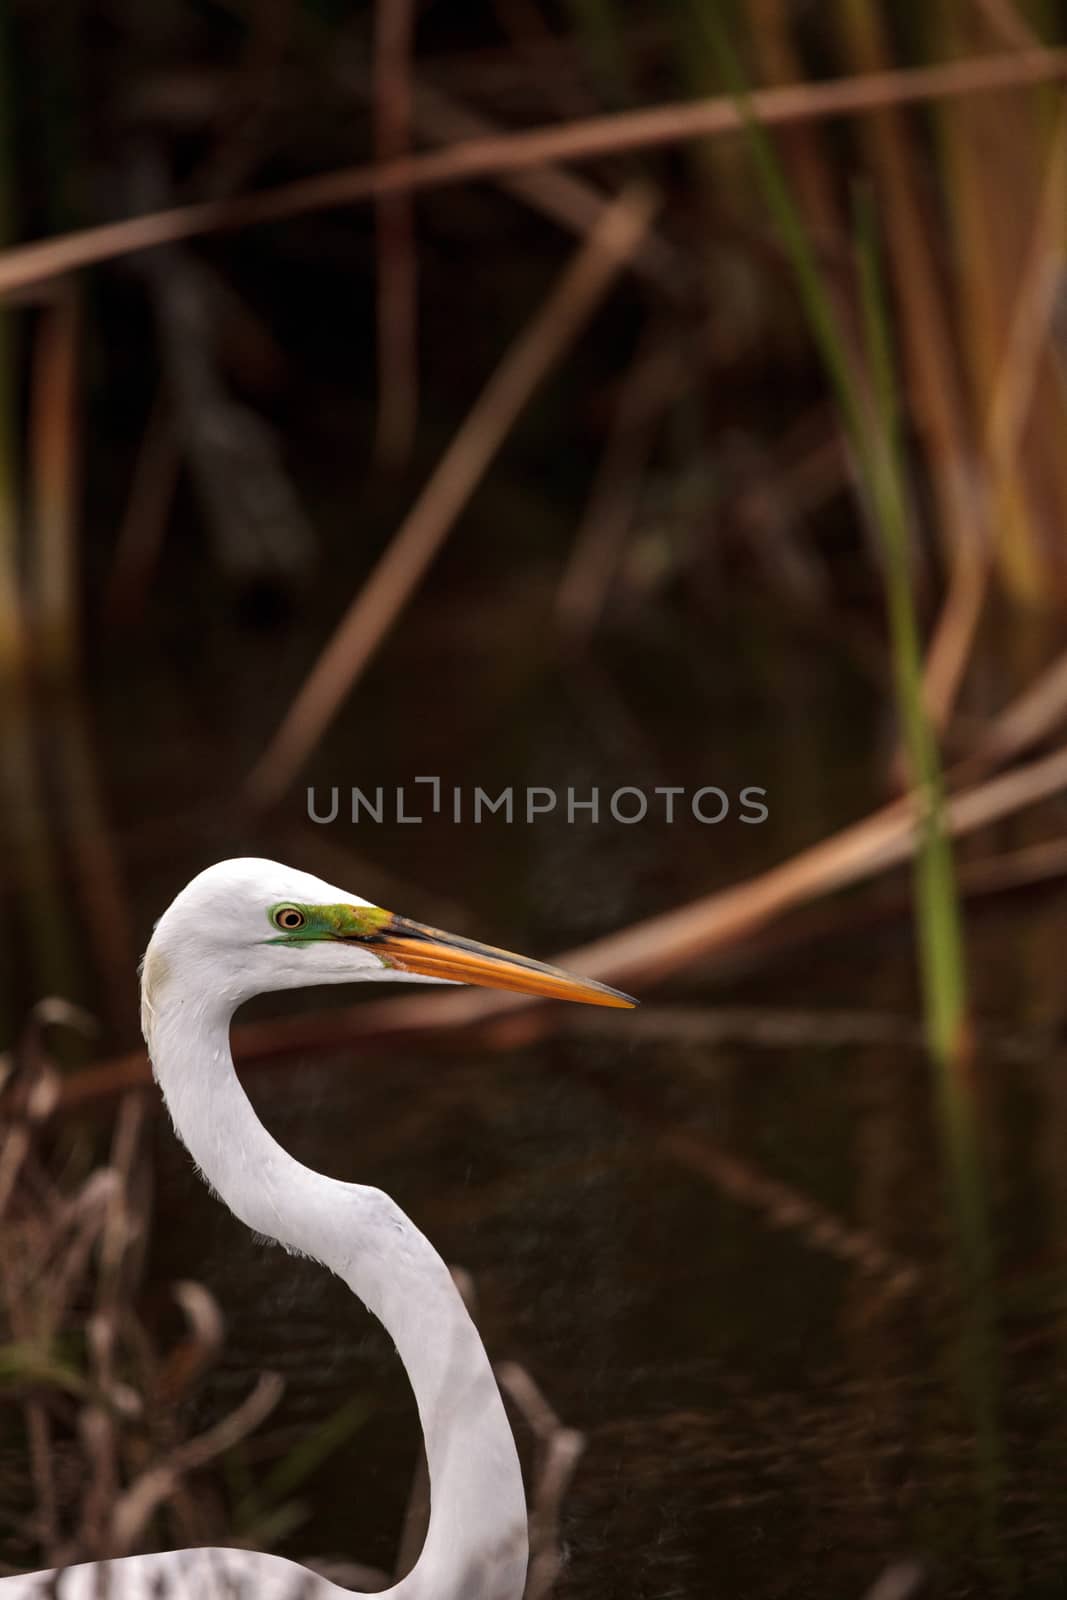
940 933
870 421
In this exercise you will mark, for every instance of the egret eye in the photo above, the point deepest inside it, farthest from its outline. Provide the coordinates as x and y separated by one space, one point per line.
288 918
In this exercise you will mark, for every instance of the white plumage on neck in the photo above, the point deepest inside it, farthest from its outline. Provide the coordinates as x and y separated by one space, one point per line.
476 1544
195 974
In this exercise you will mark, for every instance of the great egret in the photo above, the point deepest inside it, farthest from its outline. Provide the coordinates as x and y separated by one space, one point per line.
243 928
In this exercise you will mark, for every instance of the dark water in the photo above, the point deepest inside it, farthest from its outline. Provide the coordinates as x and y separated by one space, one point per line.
732 1264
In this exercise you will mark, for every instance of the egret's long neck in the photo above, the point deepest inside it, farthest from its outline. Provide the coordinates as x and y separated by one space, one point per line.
476 1543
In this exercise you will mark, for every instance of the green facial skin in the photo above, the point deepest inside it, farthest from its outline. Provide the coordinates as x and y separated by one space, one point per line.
329 922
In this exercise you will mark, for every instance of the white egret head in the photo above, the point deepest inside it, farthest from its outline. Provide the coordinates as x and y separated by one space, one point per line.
250 926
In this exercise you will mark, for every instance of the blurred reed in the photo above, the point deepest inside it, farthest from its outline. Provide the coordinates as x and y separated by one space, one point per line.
10 615
970 207
938 917
54 443
868 403
82 1378
992 162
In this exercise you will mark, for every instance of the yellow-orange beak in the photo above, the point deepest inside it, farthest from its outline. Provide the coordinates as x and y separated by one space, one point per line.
410 947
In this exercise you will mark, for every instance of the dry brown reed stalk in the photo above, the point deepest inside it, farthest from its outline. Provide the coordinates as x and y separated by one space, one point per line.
1010 402
902 1580
1027 337
783 1207
643 953
537 147
37 1104
832 924
937 402
97 874
780 1206
397 268
120 1255
144 521
45 1256
569 199
952 637
806 163
54 449
542 343
559 1450
113 1409
804 156
771 1028
122 1238
1017 869
1006 21
11 621
882 840
54 446
12 640
785 1029
30 845
50 637
1034 714
188 1360
135 1507
29 1087
995 166
644 395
